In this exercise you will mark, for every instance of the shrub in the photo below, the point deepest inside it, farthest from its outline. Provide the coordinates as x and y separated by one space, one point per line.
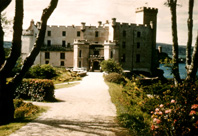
115 78
36 90
23 109
45 71
178 112
111 66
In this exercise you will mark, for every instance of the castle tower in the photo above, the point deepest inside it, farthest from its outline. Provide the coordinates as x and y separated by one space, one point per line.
147 16
81 54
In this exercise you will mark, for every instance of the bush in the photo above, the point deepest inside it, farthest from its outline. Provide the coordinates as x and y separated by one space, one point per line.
23 109
115 78
177 114
111 66
36 90
45 71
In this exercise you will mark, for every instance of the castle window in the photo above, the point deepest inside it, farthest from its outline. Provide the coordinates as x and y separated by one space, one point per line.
78 33
79 64
46 62
63 43
124 33
96 34
63 33
47 55
62 63
80 53
123 44
138 45
62 55
111 54
137 58
138 34
48 42
48 33
68 45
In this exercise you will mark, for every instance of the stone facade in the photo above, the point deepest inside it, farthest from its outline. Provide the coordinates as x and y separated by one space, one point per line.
132 45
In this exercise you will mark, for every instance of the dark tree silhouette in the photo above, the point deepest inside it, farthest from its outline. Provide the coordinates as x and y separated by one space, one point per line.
6 66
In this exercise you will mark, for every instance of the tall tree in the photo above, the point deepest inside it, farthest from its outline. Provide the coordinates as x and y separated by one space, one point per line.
191 61
173 8
7 90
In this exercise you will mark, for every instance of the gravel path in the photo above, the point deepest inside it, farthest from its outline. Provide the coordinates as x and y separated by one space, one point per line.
84 110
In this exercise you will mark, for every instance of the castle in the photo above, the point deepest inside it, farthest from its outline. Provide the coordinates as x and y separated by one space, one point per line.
132 45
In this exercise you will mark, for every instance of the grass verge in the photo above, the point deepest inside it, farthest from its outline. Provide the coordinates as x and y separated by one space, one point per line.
128 101
6 130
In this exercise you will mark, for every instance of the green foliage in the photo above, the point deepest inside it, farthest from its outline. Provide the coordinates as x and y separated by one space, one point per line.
24 110
129 101
36 90
111 66
45 71
114 78
65 76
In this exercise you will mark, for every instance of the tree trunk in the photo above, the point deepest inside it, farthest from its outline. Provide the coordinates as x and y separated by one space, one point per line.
175 69
6 94
191 66
37 46
6 91
190 33
6 103
192 70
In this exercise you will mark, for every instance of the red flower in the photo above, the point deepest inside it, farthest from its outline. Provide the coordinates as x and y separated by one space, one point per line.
152 127
194 106
192 112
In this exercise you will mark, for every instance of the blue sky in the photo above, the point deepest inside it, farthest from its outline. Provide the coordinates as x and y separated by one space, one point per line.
74 12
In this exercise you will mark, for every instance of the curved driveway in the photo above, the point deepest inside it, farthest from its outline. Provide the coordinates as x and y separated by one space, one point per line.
84 110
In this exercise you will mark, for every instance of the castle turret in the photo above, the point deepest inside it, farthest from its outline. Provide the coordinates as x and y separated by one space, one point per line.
83 26
147 16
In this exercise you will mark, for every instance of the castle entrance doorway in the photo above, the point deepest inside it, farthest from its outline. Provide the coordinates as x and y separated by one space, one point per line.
96 65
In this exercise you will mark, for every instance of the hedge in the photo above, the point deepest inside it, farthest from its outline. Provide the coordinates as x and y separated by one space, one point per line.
36 90
115 78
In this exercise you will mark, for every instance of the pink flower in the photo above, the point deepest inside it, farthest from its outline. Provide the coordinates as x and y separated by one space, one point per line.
160 113
157 109
172 101
194 106
161 105
151 112
192 112
158 121
168 111
155 119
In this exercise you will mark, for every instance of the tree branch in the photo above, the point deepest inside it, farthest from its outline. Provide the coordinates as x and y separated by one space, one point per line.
4 4
37 46
16 43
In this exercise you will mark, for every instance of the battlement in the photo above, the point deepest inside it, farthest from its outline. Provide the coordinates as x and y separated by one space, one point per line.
128 25
146 9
